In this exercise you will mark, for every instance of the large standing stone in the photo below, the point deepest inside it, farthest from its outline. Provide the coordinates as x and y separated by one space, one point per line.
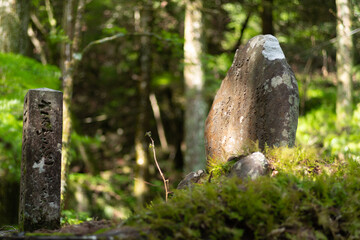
41 160
257 101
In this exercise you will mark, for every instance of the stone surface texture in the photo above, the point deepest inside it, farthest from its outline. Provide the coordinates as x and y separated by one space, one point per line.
41 160
251 166
258 101
190 179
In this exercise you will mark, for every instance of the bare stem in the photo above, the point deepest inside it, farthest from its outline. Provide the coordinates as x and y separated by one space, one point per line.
120 35
166 181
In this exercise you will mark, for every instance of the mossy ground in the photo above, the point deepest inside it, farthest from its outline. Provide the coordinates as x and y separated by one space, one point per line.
306 197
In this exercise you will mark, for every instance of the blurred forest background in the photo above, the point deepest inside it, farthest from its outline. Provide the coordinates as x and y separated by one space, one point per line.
129 67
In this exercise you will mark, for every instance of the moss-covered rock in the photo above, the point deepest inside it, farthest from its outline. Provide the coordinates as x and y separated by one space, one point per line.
305 198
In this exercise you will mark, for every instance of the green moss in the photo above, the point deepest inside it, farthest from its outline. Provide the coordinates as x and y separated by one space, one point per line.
47 234
70 217
308 197
100 231
221 167
217 169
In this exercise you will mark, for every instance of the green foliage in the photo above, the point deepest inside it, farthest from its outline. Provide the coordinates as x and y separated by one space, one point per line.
70 217
291 205
105 195
216 67
301 162
164 79
221 167
317 126
237 13
18 74
218 168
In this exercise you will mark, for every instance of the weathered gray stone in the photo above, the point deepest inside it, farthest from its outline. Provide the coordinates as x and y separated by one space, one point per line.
190 179
251 166
258 101
41 160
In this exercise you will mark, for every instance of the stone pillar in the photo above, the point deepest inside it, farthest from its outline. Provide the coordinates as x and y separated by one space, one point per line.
41 160
258 101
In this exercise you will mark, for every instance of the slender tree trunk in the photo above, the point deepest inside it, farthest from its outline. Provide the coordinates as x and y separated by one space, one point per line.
267 17
343 65
14 21
37 45
195 112
159 124
141 145
69 64
243 28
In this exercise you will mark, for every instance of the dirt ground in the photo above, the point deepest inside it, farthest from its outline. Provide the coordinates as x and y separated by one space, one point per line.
85 228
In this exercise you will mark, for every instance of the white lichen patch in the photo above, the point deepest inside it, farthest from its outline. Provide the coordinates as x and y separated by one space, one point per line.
272 49
284 79
241 119
53 205
276 81
267 87
291 118
293 99
58 147
40 165
285 133
287 80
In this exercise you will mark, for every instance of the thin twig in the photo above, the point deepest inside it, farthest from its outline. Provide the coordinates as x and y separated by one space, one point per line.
146 182
166 181
119 35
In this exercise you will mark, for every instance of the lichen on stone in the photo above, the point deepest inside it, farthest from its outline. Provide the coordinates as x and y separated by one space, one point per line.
272 49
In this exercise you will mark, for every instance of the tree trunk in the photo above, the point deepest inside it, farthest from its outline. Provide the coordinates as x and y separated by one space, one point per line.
69 65
267 17
14 21
141 144
195 112
160 127
343 65
243 28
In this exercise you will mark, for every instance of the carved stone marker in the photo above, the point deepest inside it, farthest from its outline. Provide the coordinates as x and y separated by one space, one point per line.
258 101
41 160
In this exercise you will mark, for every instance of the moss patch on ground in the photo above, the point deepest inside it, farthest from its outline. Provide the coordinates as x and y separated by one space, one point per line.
306 197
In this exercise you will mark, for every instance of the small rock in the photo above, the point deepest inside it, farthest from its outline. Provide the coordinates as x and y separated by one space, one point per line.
190 179
251 166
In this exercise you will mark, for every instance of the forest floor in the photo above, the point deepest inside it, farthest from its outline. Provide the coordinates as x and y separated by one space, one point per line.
94 229
84 228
